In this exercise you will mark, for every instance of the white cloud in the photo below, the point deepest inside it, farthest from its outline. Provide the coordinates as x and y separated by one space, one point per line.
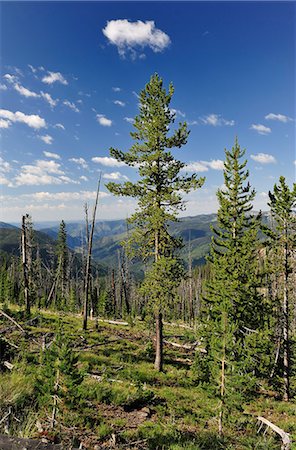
46 139
204 166
129 119
4 180
24 91
80 161
116 89
33 69
216 120
103 120
54 77
4 165
108 161
177 112
3 87
129 36
67 196
32 120
83 178
48 98
51 155
196 166
216 164
41 172
10 78
71 105
59 125
264 158
278 117
115 176
4 123
261 129
119 103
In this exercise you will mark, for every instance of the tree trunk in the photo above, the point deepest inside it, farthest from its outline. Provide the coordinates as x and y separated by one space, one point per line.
25 266
158 363
286 325
88 261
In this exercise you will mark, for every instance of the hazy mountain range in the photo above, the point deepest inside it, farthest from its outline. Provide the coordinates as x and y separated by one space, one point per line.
109 234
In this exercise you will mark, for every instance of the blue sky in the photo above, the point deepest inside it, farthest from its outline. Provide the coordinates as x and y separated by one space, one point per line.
70 77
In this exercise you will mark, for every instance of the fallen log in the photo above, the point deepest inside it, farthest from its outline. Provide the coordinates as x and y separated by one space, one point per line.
286 438
8 365
113 322
13 321
16 325
180 325
185 346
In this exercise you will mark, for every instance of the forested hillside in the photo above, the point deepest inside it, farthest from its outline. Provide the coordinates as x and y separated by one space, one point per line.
185 356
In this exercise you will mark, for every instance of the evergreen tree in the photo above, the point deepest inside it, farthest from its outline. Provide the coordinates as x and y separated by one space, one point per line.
282 203
63 257
234 307
160 184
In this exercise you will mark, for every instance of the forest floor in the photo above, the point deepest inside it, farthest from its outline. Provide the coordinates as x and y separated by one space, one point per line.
123 402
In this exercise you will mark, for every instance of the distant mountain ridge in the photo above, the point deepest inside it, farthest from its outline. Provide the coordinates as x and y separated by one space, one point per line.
109 234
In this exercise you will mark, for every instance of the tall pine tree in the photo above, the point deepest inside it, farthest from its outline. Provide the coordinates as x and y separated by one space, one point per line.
63 258
282 203
158 191
233 306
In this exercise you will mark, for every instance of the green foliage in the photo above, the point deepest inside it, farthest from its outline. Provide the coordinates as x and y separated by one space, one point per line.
159 189
233 306
58 373
161 282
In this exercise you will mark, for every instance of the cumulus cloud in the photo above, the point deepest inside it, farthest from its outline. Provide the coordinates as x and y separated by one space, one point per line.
116 89
119 103
204 166
261 129
71 105
24 91
10 78
115 176
129 36
46 139
51 155
48 98
103 120
42 172
3 87
4 166
54 77
4 123
216 120
33 120
264 158
108 161
67 196
4 180
196 166
80 161
278 117
83 178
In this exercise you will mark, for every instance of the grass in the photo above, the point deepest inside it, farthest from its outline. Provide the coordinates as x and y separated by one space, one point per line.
181 414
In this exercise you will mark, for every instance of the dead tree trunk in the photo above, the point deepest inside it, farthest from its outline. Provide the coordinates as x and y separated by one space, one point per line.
286 323
25 266
88 261
158 363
